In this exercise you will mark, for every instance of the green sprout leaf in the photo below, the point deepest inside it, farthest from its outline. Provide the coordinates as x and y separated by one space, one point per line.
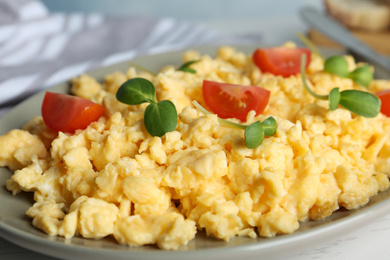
160 118
360 102
254 135
336 65
269 126
186 66
362 75
136 91
189 70
334 99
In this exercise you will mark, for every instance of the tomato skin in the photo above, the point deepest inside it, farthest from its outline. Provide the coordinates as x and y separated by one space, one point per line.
234 101
281 61
68 113
384 96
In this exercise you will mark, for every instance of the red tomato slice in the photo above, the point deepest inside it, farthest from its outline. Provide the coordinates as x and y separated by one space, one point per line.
234 101
384 96
67 113
281 61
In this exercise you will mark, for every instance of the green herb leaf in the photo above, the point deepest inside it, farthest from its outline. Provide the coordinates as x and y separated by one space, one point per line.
189 70
136 91
269 126
362 75
334 99
360 102
186 66
254 135
337 65
160 118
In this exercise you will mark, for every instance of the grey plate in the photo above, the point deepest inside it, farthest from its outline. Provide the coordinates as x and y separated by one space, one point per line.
16 227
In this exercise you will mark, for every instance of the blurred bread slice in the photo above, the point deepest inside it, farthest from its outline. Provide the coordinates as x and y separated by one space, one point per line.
370 15
376 40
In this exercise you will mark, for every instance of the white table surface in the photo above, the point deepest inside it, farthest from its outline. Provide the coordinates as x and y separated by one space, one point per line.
370 241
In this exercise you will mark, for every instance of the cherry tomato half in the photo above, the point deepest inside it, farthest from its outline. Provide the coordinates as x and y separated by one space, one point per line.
234 101
67 113
384 96
281 61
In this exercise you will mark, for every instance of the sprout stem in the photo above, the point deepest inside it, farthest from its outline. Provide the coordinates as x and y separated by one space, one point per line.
303 75
310 44
222 121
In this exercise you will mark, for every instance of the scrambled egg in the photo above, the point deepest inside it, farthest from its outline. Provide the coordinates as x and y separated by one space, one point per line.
114 179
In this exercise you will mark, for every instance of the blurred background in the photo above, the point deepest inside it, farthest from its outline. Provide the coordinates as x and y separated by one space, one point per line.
184 10
271 21
45 42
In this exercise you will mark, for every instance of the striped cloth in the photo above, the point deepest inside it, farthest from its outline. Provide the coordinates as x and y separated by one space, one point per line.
39 49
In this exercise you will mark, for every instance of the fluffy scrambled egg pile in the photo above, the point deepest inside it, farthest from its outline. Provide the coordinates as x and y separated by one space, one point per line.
114 179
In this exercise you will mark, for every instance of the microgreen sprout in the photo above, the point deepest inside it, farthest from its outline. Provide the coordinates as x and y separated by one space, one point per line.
254 133
359 102
159 117
362 75
186 66
338 65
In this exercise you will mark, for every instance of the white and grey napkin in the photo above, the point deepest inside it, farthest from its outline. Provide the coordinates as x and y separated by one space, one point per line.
39 49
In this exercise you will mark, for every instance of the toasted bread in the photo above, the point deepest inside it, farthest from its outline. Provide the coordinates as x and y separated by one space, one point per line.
371 15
